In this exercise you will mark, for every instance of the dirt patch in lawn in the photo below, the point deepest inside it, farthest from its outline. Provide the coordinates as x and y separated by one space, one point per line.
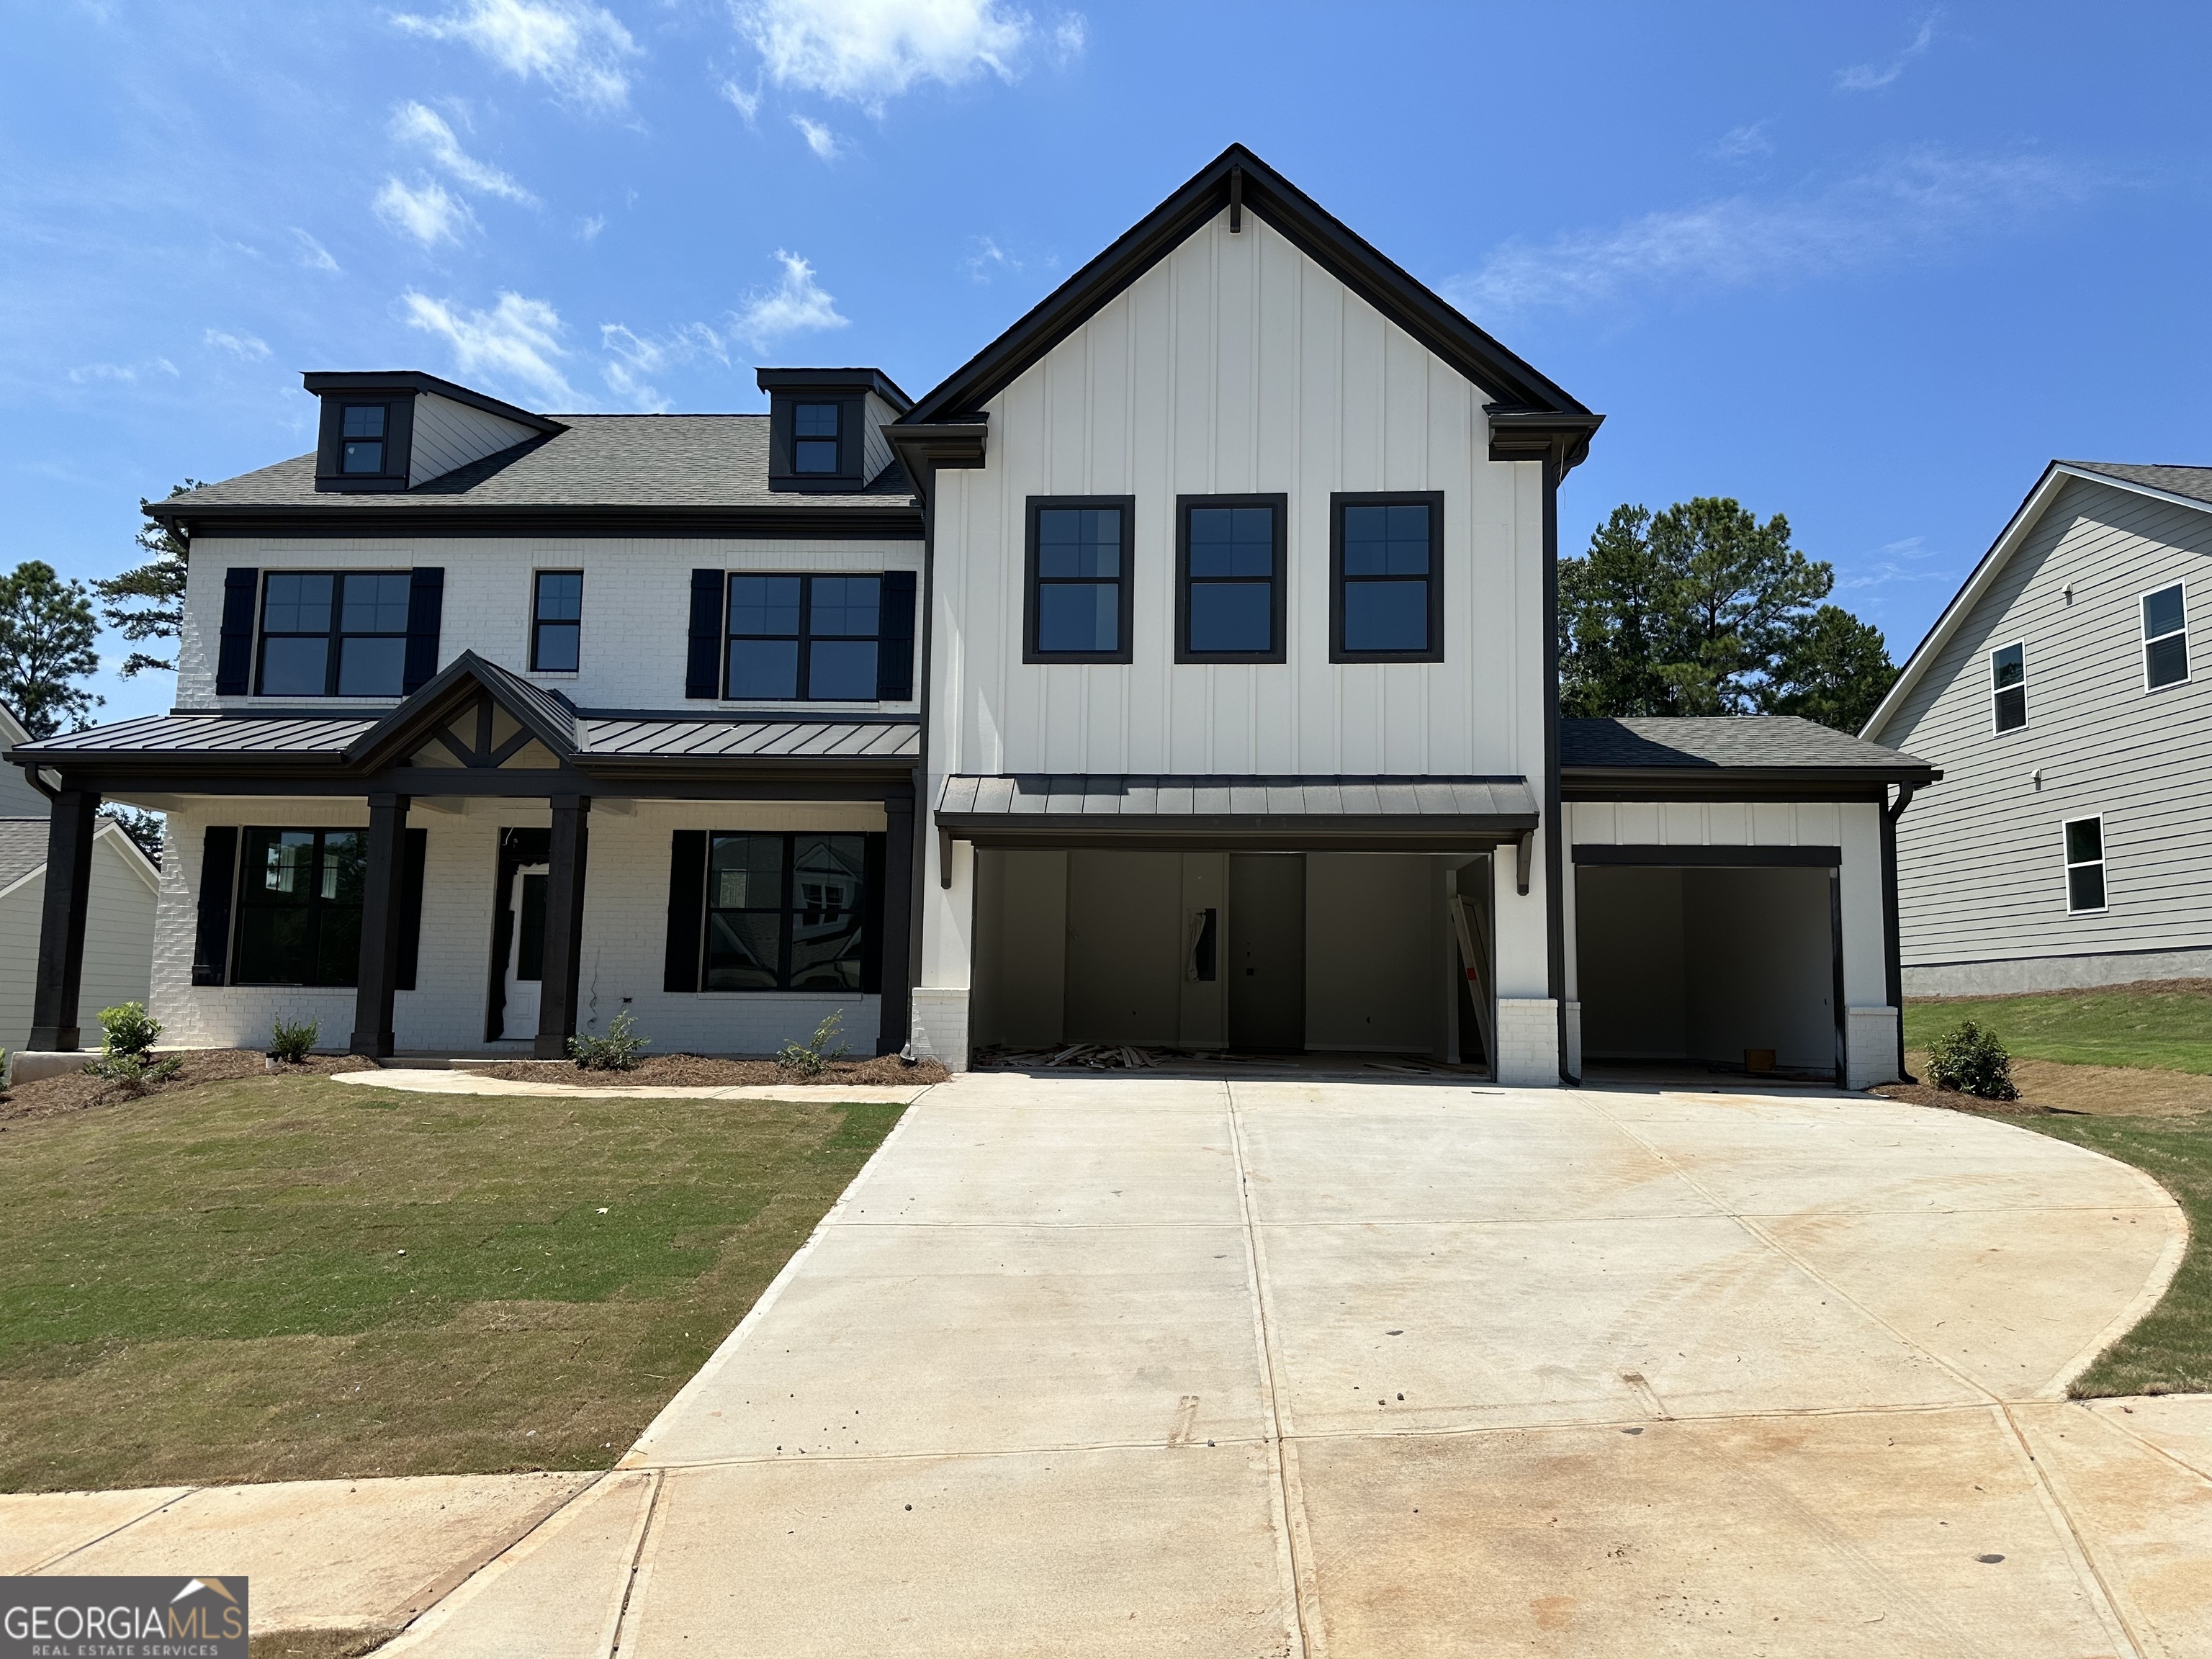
73 1092
2045 1085
701 1072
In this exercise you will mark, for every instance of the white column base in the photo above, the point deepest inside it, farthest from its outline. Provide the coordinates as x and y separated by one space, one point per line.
940 1025
1870 1054
1528 1042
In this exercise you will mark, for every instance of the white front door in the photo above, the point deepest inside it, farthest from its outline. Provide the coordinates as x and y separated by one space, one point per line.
525 951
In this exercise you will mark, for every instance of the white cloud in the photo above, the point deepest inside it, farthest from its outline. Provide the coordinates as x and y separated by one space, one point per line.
635 358
579 50
1908 208
819 139
427 130
746 103
1742 143
313 253
588 230
518 340
427 211
1871 78
987 260
249 346
125 372
867 52
796 305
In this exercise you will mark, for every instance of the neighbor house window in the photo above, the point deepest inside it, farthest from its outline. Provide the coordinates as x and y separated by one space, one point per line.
786 913
814 437
361 434
1229 578
556 622
299 906
1386 578
793 637
328 635
2085 864
2165 638
2008 688
1078 590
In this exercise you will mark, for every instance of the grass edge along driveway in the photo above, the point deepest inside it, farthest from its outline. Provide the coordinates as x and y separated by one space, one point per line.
283 1278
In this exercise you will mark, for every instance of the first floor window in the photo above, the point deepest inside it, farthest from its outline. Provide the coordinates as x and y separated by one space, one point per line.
1230 600
2008 688
326 634
1078 587
803 637
556 622
787 912
2165 638
299 906
2085 864
1387 565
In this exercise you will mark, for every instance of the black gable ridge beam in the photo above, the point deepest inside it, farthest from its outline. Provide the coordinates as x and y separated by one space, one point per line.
1511 382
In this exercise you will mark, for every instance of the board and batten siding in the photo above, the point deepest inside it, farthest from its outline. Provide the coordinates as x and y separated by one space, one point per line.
1981 868
638 602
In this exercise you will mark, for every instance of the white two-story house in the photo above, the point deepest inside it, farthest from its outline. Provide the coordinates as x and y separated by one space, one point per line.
1180 671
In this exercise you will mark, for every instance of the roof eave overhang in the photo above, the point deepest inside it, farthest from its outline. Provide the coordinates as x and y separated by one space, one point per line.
1243 832
1596 783
956 444
898 521
414 380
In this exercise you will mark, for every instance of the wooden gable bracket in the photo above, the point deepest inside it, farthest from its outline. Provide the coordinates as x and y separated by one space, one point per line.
482 754
1524 855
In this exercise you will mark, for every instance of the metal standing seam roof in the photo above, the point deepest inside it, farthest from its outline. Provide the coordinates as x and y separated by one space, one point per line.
211 735
1151 797
1737 742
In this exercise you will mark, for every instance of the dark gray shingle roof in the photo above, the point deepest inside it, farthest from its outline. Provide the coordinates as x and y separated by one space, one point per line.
2194 482
644 461
1737 741
22 849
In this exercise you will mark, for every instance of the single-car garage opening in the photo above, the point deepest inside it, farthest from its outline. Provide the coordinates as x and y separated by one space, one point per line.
1719 965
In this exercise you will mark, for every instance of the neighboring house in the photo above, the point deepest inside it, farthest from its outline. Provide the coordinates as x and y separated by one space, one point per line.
119 904
1180 671
2065 693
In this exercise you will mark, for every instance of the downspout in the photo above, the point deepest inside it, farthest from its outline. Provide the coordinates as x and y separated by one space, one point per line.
918 887
1893 970
1555 912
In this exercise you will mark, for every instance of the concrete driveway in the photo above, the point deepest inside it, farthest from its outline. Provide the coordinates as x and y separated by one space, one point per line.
1145 1366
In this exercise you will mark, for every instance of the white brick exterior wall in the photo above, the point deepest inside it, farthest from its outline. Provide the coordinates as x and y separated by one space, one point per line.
625 933
1870 1046
1528 1042
940 1025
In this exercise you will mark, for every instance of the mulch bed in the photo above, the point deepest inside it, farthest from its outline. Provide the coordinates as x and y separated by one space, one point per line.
73 1092
699 1071
1927 1094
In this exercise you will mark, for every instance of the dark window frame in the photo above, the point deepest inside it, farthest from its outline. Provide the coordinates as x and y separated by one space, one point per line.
398 442
835 438
2101 864
1433 651
2150 640
1279 608
867 909
539 621
804 638
1032 582
335 633
852 443
1997 693
316 907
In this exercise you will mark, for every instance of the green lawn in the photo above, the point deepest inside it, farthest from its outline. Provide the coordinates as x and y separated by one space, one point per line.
2167 1029
279 1278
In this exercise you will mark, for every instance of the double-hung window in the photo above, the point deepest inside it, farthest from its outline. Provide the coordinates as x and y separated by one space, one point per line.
803 637
363 434
787 912
815 437
299 907
1386 578
2165 638
1077 608
556 622
329 636
1229 578
2008 688
2085 864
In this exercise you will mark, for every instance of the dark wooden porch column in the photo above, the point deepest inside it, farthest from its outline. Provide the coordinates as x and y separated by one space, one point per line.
897 913
61 925
380 905
564 926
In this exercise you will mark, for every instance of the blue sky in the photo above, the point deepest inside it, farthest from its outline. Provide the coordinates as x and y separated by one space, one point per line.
1867 265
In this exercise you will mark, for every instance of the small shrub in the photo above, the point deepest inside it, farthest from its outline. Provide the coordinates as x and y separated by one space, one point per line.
293 1040
812 1059
129 1030
619 1050
1972 1061
135 1073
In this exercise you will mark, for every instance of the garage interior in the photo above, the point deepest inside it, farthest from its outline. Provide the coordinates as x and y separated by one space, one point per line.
1229 952
1725 968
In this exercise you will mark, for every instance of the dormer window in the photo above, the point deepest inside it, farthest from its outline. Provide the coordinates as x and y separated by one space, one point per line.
361 439
814 436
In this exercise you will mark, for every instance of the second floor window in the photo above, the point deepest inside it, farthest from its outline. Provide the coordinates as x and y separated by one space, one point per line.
1229 586
1386 577
814 438
1079 603
325 635
2008 688
803 637
360 439
556 622
2165 638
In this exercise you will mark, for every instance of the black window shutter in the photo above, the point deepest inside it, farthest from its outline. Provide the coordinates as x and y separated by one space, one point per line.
702 671
218 869
687 908
895 638
410 906
233 663
426 605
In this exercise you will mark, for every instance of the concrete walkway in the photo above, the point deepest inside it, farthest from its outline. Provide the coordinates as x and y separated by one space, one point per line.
1135 1366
